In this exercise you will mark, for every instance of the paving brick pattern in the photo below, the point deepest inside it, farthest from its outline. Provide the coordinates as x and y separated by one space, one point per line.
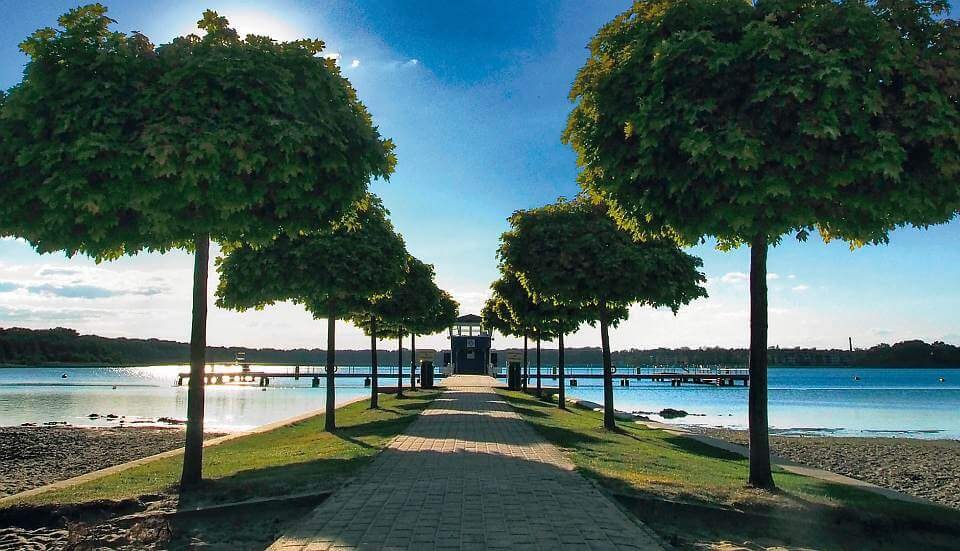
468 474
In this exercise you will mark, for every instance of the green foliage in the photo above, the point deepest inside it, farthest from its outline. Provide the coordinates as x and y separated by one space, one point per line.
109 146
333 271
573 253
512 311
414 306
733 119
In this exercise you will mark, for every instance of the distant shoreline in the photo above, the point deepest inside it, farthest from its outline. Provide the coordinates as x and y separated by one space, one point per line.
544 365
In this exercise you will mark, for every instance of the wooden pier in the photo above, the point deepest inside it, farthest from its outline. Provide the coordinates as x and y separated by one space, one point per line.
246 374
243 374
714 376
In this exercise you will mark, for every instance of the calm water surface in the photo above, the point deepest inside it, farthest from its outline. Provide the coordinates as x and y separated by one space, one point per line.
41 394
883 402
822 401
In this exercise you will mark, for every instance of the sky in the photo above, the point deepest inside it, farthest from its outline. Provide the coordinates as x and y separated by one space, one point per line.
474 94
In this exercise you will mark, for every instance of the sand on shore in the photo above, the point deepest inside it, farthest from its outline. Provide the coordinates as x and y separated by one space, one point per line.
31 457
922 468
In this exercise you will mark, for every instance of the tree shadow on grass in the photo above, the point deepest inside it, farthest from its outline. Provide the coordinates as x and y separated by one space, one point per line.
309 476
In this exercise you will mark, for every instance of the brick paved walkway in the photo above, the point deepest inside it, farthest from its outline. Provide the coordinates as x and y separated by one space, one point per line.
469 473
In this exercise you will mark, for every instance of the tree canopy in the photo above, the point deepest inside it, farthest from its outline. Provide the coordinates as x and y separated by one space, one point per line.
415 305
333 272
513 311
572 253
734 119
110 145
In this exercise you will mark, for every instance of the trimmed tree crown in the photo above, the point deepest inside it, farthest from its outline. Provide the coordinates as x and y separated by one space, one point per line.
724 118
413 305
573 253
109 146
333 272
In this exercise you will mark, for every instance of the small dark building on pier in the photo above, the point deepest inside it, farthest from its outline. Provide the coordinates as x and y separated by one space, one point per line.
470 345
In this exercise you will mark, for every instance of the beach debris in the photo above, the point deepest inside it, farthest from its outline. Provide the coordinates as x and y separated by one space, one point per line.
942 380
113 416
172 421
93 416
63 376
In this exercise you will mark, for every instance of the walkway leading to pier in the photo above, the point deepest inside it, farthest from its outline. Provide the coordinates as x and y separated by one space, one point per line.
469 473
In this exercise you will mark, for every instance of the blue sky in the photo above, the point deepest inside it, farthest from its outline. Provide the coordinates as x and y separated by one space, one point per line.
475 96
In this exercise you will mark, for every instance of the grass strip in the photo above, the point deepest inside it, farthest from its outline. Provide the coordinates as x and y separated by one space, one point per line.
637 460
292 459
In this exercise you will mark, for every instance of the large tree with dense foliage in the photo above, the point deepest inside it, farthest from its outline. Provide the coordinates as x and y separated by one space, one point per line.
573 253
110 146
750 121
333 272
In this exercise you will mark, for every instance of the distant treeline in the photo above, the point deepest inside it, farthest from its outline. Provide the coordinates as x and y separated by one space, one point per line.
20 346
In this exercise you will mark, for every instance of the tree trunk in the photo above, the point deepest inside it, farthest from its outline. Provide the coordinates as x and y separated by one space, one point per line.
525 373
413 362
609 421
330 419
561 397
399 365
539 387
374 396
760 476
193 449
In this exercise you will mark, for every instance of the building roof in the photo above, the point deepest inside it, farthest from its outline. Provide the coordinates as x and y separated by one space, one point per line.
469 318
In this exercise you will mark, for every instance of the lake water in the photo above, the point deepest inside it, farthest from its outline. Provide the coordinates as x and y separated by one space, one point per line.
816 401
822 401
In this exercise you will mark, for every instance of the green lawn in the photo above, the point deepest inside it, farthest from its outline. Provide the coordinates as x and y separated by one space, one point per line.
292 459
639 461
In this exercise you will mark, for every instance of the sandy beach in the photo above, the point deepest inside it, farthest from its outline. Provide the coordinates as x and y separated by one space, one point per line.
923 468
33 456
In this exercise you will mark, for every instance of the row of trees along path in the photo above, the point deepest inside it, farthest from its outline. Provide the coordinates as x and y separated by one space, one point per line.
569 262
745 122
110 146
415 306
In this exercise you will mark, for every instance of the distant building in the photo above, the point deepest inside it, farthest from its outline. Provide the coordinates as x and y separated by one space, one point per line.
470 345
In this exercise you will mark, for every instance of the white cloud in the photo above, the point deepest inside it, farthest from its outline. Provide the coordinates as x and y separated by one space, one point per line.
799 288
771 277
792 276
734 277
355 63
412 63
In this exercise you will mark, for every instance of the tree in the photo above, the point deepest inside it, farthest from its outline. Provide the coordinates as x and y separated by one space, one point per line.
383 313
411 306
526 316
551 317
110 146
496 315
333 272
596 266
750 121
439 311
